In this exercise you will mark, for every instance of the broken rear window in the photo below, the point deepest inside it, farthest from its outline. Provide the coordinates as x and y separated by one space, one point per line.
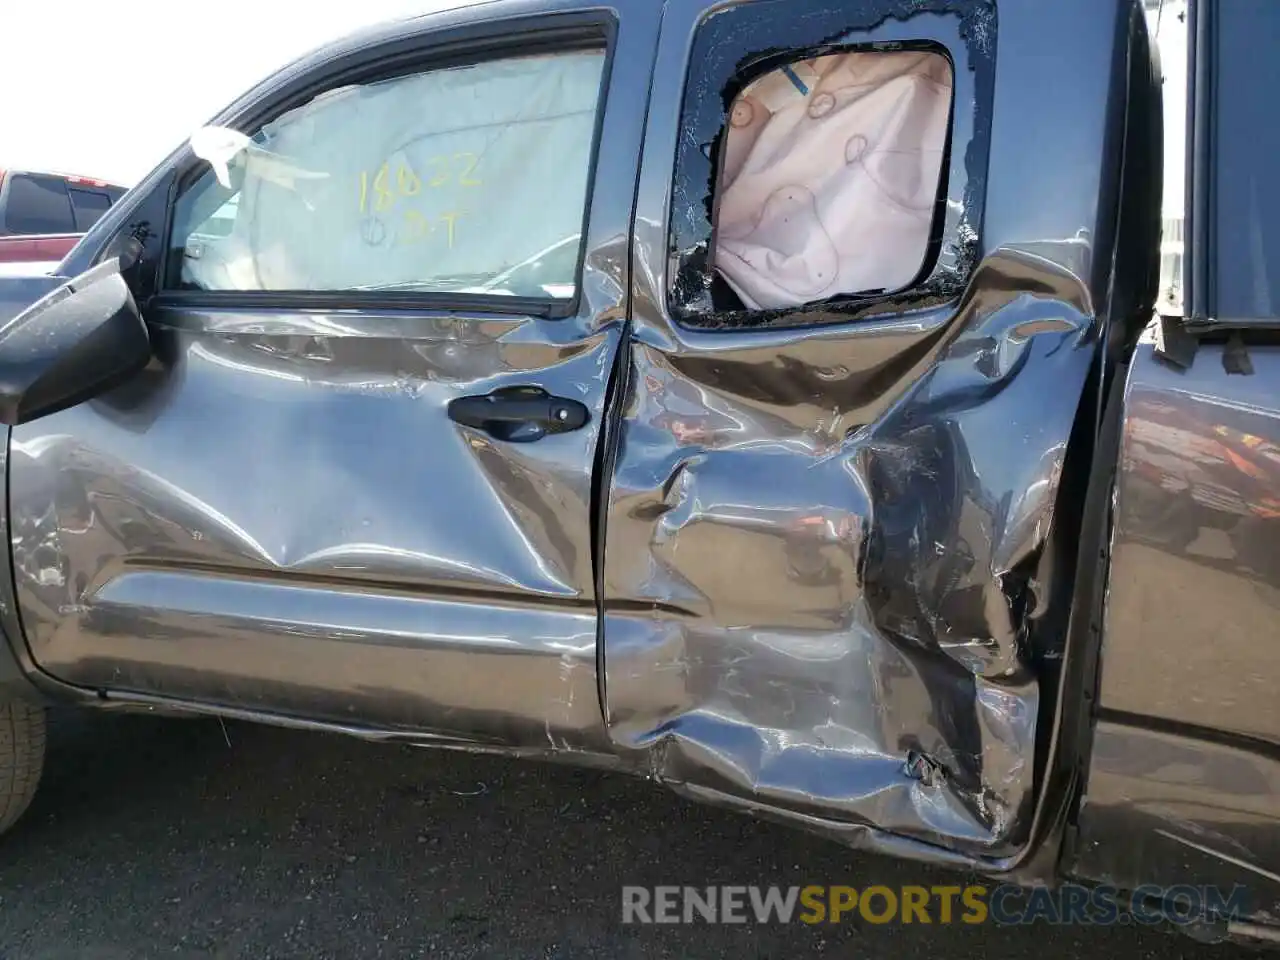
830 177
898 150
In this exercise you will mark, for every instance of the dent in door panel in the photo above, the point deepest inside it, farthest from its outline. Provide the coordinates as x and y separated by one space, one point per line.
826 566
412 662
341 478
830 609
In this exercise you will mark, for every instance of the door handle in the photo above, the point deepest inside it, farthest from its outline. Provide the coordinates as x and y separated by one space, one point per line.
519 414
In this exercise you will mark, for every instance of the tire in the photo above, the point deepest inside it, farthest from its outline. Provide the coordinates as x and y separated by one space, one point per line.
22 739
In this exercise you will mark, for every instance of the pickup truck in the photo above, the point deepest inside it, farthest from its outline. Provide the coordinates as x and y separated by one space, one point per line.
43 215
843 473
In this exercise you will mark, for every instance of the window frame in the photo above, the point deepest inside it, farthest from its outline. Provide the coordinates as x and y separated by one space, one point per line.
947 27
465 45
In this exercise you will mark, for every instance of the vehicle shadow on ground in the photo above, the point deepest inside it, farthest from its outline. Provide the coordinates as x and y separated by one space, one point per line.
160 837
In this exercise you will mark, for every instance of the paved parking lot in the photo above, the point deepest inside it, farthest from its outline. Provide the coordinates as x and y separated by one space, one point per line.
153 838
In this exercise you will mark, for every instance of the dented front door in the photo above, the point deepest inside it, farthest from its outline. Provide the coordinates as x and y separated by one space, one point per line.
826 559
365 507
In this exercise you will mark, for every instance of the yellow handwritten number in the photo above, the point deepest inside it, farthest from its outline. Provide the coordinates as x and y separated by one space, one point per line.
441 165
408 182
383 189
471 160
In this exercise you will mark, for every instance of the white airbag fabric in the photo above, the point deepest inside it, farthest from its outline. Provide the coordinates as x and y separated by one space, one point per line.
446 177
830 177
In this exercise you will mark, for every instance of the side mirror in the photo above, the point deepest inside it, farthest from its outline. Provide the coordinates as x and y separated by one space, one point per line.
76 342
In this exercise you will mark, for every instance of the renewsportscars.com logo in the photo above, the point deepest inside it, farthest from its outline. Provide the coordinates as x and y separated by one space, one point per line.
1004 905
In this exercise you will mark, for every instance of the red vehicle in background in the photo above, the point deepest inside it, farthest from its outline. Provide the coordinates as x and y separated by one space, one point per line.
44 215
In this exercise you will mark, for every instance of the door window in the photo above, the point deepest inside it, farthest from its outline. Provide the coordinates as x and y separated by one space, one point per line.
828 167
471 179
37 204
1245 219
89 206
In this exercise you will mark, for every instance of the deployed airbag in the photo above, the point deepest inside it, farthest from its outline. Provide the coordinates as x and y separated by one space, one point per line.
830 177
443 180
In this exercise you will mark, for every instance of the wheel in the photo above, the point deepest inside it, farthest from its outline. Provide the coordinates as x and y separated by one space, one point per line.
21 757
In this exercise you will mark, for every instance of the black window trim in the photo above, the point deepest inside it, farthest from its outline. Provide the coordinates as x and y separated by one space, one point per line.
462 45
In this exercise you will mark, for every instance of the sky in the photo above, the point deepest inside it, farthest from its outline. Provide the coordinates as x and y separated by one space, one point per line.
126 81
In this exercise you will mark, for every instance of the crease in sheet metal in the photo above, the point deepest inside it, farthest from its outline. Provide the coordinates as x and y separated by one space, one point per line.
825 537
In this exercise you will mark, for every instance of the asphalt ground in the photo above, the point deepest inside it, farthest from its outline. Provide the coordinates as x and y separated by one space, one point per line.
163 838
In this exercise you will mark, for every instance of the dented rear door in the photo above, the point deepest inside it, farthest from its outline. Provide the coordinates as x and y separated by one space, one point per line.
827 566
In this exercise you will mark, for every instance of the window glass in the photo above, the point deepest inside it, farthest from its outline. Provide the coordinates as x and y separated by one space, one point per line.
1246 186
37 204
830 177
470 179
89 206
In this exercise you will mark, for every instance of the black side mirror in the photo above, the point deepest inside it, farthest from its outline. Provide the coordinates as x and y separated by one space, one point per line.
76 342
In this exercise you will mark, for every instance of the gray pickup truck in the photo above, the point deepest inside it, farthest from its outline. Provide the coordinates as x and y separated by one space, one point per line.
768 398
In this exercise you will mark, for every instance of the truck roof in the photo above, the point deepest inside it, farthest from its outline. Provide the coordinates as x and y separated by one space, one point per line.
69 177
